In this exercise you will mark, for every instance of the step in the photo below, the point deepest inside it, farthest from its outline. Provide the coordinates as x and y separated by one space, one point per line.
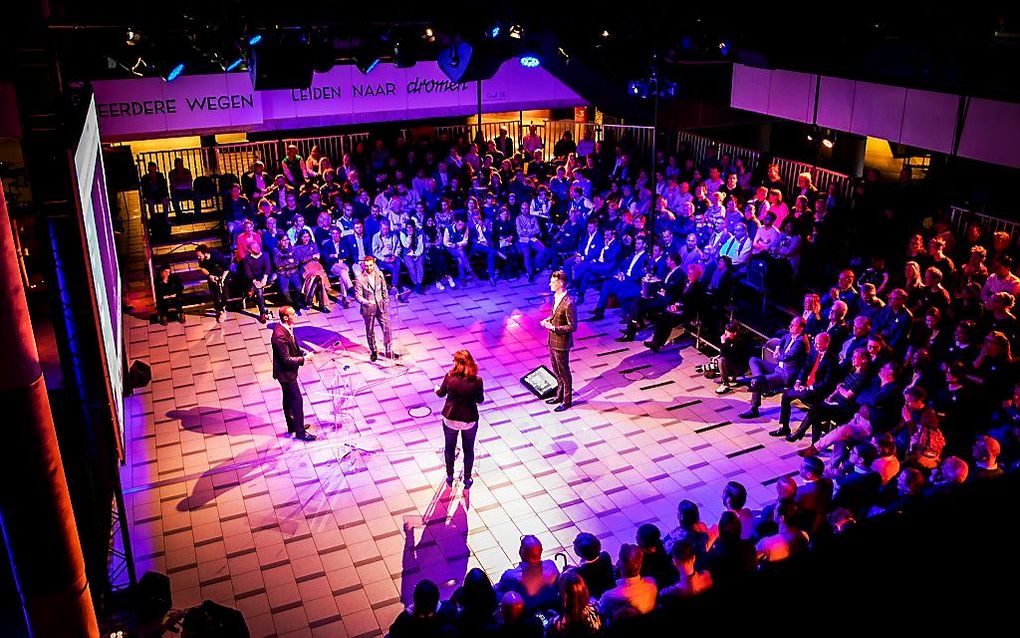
200 236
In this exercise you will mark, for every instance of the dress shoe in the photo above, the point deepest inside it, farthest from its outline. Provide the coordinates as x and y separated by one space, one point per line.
724 389
468 482
782 431
554 401
625 338
263 318
346 302
306 437
749 414
810 450
162 321
563 407
796 436
449 480
374 356
325 310
598 315
651 345
181 317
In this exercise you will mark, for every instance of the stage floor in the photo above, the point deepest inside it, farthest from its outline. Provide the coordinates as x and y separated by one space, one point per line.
305 542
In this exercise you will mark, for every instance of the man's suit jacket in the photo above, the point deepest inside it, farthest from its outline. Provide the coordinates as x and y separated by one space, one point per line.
332 253
826 376
370 291
593 250
352 244
791 357
287 356
564 321
637 272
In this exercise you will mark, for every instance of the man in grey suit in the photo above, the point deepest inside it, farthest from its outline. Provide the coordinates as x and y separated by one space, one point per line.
561 325
371 293
766 376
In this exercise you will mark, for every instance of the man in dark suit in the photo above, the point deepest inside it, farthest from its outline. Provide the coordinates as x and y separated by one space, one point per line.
817 378
858 491
814 497
625 283
598 264
588 249
371 293
674 283
561 325
789 359
688 301
287 359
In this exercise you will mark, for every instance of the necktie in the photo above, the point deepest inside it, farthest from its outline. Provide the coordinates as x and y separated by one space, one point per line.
814 369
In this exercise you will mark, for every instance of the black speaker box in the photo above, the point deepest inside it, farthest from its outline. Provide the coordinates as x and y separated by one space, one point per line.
463 62
281 66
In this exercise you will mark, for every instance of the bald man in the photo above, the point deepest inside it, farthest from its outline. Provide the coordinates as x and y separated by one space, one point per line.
534 579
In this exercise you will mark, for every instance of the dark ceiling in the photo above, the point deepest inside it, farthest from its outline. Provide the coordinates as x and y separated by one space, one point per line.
973 50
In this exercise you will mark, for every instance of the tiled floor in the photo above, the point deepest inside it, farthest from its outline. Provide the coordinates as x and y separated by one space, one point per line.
305 542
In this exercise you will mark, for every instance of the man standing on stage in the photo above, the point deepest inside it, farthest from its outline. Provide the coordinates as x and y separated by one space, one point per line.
287 358
370 291
561 325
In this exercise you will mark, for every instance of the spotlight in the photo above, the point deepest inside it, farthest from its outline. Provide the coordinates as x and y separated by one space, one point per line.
233 65
133 37
516 31
828 142
724 48
175 72
494 31
255 39
563 54
529 61
402 56
604 34
430 35
638 89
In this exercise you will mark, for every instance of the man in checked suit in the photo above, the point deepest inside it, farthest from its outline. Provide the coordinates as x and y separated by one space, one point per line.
561 325
371 293
766 376
287 359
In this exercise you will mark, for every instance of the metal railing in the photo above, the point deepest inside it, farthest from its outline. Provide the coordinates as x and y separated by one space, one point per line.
698 145
960 218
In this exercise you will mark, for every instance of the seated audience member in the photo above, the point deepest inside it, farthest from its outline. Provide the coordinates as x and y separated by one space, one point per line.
156 199
731 557
690 527
655 564
841 404
887 464
921 428
734 353
986 459
625 283
954 471
475 601
580 614
734 498
814 496
633 595
844 291
690 582
788 541
789 354
858 491
818 376
215 266
682 302
169 293
288 273
534 579
423 618
768 519
257 268
514 622
596 566
335 261
909 490
1002 279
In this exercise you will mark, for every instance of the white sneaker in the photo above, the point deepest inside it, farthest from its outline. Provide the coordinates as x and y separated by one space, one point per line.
439 285
450 282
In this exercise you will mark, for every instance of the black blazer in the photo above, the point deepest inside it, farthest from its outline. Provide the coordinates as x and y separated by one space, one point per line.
463 394
826 376
287 356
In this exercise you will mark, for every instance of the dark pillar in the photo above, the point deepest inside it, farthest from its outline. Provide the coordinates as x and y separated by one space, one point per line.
35 506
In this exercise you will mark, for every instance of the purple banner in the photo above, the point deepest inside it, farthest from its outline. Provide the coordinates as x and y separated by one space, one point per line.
226 102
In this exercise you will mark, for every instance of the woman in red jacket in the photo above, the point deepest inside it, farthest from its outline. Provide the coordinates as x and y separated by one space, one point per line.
462 388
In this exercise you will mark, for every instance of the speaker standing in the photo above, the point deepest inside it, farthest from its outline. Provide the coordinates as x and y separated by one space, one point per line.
561 325
287 360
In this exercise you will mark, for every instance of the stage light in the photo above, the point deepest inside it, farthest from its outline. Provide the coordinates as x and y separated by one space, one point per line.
828 143
724 48
638 89
494 31
403 58
133 38
605 34
430 35
233 65
563 54
175 72
516 31
529 61
255 39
